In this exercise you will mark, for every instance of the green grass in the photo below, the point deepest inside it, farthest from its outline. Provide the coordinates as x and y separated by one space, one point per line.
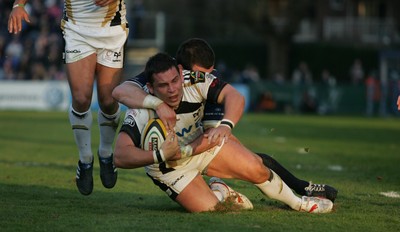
360 156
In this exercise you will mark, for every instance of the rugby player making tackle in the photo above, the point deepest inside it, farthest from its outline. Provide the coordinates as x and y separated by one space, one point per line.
197 55
188 155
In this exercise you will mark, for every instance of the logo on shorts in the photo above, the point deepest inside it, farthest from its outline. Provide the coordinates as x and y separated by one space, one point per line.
177 179
113 56
116 57
75 51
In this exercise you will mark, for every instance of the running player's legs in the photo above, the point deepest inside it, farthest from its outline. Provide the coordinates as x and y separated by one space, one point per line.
108 78
110 60
80 58
81 79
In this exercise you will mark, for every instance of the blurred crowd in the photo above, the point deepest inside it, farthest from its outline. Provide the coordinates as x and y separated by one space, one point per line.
304 92
35 53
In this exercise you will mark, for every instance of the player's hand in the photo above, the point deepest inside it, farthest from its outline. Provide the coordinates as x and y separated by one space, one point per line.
104 2
167 116
15 20
219 134
170 146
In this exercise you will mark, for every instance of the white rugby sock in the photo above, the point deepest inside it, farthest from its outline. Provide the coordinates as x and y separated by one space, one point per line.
278 190
81 125
219 195
108 125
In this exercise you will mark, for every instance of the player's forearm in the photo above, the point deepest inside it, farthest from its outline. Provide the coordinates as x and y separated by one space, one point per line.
129 94
233 104
132 157
127 155
201 145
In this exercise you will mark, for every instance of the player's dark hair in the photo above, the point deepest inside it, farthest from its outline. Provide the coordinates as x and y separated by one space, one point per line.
195 51
159 63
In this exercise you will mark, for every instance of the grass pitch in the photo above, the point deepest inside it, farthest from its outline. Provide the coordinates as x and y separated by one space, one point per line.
359 156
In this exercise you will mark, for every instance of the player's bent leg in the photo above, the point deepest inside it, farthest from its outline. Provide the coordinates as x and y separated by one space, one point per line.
250 168
236 161
197 196
225 193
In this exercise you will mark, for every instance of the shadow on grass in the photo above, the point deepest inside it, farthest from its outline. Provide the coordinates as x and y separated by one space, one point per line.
31 198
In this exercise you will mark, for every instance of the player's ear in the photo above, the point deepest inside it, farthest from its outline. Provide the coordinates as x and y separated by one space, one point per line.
150 87
180 69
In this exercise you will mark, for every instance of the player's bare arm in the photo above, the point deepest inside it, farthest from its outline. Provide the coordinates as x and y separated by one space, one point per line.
18 13
129 94
234 107
196 147
132 96
201 145
127 155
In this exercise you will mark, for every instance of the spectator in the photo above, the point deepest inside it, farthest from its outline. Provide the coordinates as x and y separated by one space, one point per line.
328 94
357 72
372 93
266 103
278 79
36 52
250 74
301 75
302 80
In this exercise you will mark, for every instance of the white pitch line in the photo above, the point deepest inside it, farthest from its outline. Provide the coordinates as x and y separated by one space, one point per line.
391 194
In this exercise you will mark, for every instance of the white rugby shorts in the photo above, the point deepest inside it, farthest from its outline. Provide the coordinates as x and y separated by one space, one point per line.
106 42
175 181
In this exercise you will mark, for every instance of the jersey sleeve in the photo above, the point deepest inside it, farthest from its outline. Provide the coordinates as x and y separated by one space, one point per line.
133 124
208 85
215 89
139 80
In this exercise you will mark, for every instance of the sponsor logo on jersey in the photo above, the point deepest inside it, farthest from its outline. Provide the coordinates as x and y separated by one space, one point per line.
197 77
183 131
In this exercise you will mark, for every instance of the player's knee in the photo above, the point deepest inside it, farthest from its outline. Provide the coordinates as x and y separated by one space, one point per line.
81 102
259 173
108 104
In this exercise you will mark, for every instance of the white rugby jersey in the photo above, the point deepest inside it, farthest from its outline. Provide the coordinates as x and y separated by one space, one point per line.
198 88
86 13
213 112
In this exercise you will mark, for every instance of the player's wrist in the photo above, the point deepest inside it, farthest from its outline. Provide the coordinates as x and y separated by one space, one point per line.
18 5
227 123
186 151
158 156
151 102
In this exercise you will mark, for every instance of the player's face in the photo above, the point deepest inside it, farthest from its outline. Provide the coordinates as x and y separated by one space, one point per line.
168 87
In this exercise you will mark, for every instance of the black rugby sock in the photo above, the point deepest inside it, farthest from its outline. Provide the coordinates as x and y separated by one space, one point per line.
293 182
